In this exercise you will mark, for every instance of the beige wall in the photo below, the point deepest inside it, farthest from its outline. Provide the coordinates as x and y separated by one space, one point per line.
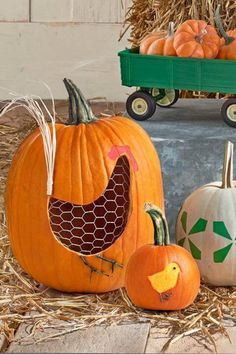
46 40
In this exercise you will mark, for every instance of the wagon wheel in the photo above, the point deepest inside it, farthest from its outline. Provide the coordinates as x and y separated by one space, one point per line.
140 105
165 97
228 112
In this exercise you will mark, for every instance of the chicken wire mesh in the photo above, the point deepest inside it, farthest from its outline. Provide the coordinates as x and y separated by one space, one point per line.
92 228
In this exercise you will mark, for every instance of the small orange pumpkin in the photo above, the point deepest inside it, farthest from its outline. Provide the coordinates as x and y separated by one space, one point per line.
228 42
161 276
156 44
196 39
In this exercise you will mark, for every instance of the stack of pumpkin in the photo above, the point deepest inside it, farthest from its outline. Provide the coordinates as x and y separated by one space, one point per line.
193 39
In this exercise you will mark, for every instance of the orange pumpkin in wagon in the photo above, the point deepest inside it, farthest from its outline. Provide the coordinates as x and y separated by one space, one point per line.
157 43
228 42
196 39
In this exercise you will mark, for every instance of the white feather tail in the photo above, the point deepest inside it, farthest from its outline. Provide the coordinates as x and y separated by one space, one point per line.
36 107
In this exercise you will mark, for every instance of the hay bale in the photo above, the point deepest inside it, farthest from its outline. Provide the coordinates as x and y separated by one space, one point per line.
145 16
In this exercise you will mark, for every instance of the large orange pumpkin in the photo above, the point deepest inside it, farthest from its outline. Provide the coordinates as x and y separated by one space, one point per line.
81 237
228 43
196 39
158 44
161 276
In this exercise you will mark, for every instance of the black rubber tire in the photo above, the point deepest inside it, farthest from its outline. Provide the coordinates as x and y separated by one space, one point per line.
172 103
150 103
224 112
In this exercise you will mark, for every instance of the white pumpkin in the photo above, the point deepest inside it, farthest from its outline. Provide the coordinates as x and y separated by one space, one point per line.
206 226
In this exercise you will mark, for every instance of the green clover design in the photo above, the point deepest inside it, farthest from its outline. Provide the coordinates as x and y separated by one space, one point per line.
220 229
199 226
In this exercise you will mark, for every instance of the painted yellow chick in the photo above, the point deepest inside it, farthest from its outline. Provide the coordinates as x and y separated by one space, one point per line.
165 280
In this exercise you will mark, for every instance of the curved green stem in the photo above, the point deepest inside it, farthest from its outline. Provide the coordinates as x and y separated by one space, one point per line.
79 110
161 230
228 39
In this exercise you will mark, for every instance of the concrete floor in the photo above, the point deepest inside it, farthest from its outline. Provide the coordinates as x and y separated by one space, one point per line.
130 338
189 138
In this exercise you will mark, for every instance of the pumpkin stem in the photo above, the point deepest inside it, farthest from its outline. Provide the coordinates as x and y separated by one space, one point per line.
79 110
161 230
219 25
227 174
200 37
171 29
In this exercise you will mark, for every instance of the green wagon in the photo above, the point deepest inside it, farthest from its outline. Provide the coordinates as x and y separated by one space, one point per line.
159 79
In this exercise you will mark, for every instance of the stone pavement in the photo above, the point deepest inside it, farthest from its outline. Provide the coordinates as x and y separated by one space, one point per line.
114 339
132 338
194 345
